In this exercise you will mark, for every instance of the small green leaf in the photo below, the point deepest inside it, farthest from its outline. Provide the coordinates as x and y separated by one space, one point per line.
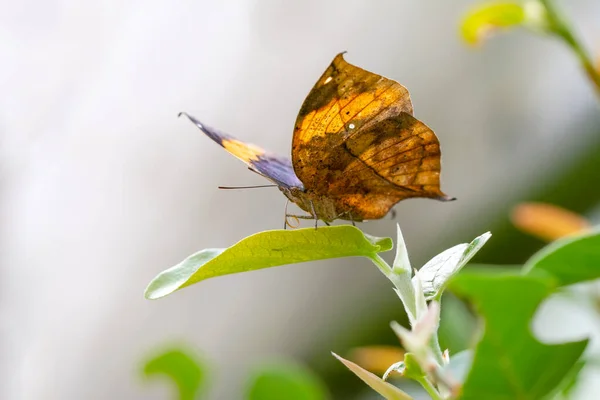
435 274
570 260
395 367
401 261
412 369
408 368
483 19
387 390
186 371
509 363
285 381
268 249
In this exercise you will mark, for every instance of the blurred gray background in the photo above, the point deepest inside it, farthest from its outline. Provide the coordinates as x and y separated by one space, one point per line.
102 187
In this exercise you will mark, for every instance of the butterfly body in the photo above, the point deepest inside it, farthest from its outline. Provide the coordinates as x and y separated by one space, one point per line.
316 205
357 150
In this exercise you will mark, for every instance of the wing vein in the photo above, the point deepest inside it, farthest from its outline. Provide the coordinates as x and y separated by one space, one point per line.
382 109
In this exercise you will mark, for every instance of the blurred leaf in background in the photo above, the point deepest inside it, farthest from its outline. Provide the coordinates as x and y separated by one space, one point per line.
482 20
507 302
547 221
182 367
540 16
376 359
285 380
569 260
509 362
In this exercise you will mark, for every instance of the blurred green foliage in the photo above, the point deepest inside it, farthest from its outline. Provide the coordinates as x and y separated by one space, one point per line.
285 380
273 381
180 366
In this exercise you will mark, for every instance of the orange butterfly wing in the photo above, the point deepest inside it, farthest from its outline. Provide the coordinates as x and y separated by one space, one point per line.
357 143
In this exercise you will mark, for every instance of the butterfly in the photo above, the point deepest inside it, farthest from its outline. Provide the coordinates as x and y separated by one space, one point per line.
357 149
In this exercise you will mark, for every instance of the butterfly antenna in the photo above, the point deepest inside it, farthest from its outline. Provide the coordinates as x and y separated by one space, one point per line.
285 221
246 187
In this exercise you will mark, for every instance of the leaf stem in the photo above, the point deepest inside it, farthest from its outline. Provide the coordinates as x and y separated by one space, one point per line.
429 387
560 27
403 285
434 343
383 266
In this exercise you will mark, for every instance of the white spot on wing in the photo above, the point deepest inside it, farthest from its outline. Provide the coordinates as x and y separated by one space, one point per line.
351 126
327 80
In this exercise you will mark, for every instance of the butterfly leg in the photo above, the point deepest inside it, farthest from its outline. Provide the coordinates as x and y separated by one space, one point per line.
314 213
349 214
297 217
301 216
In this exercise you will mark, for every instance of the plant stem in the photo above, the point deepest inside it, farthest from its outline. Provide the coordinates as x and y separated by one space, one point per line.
428 386
434 343
560 27
406 291
382 265
403 284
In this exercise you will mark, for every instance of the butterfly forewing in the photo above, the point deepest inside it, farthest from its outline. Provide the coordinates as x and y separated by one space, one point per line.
276 168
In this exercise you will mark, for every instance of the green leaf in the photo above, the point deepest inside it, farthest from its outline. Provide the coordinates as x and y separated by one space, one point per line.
570 260
268 249
397 367
285 381
569 384
483 19
409 368
435 274
401 261
457 325
387 390
412 369
509 363
184 370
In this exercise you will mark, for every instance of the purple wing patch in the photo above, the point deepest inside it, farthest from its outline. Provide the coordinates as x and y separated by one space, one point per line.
273 167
